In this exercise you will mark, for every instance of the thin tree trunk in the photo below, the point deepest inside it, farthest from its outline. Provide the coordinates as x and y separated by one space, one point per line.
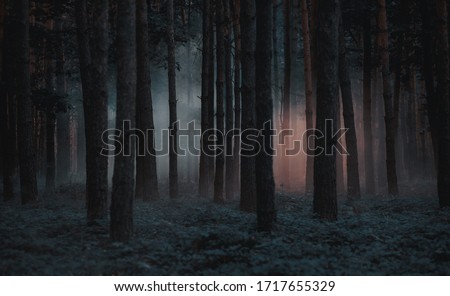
124 166
50 145
211 92
308 97
204 159
266 214
286 104
237 92
443 92
94 71
353 186
146 174
62 118
367 108
8 113
325 197
220 80
387 96
428 73
173 125
229 159
412 125
248 33
26 144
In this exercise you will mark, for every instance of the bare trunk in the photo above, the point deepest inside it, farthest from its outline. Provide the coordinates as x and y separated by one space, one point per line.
428 73
173 125
62 118
26 144
266 214
308 98
94 71
325 197
205 100
124 166
353 186
211 92
146 175
229 177
286 103
443 92
8 108
237 92
248 30
367 108
220 56
387 96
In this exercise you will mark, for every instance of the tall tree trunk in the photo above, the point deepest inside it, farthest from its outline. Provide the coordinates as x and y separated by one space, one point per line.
62 118
8 106
220 56
443 92
229 158
387 96
173 125
428 74
124 168
27 154
276 77
204 159
50 145
353 186
367 108
325 197
94 73
308 96
211 91
146 174
50 176
237 92
286 104
248 33
412 124
264 113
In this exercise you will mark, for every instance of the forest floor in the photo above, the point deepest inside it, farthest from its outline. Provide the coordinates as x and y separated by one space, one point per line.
376 236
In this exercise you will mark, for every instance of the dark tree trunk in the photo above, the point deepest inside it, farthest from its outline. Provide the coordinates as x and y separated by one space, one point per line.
248 33
26 144
387 96
411 125
62 118
237 92
146 175
286 103
50 175
442 96
428 73
325 197
50 145
220 56
173 126
353 186
308 96
94 73
367 108
265 185
124 168
211 91
229 159
204 159
8 109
